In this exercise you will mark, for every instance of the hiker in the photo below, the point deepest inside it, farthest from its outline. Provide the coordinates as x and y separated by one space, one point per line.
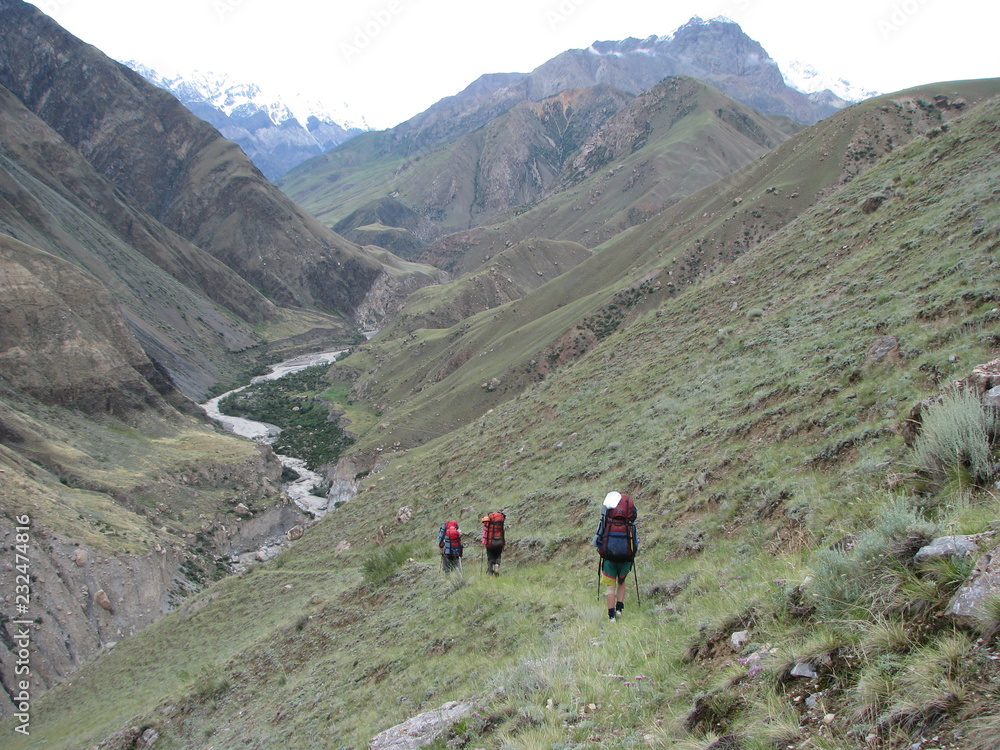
493 540
450 542
617 542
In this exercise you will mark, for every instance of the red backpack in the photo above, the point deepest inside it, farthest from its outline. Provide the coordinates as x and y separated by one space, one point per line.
493 530
616 538
450 539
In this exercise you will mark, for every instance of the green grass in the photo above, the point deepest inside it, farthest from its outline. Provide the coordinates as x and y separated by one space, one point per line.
751 444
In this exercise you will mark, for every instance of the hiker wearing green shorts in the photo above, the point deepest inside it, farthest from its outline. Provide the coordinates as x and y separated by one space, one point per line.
617 543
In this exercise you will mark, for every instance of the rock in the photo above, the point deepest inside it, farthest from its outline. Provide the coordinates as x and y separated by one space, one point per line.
148 738
804 669
992 396
872 202
404 514
421 730
295 533
957 546
883 347
342 546
242 509
739 640
102 600
80 557
967 606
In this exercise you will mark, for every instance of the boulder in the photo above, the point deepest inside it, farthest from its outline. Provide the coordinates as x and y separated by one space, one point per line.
957 546
884 347
967 606
421 730
102 600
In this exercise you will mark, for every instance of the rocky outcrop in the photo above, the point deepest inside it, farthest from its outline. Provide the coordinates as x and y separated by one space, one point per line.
86 597
421 730
968 605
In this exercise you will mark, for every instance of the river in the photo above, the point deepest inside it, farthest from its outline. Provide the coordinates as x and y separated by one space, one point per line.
300 490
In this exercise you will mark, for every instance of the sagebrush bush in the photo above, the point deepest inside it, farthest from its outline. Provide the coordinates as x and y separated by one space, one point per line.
867 576
953 447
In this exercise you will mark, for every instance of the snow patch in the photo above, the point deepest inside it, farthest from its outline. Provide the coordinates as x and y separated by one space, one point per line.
806 79
229 95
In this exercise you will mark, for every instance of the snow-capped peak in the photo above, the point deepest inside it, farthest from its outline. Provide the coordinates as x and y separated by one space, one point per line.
227 94
805 78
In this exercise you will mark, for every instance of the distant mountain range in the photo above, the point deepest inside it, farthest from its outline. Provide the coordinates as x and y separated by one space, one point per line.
277 131
280 130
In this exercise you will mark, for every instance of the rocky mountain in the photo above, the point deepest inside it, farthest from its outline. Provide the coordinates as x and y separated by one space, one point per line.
715 52
582 165
275 133
178 169
179 300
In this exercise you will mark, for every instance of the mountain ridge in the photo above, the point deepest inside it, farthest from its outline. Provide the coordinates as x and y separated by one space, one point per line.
276 134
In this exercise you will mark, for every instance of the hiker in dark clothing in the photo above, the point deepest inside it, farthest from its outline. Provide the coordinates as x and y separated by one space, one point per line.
450 542
617 542
493 540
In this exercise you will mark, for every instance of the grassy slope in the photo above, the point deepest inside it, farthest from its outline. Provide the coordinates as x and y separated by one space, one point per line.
695 237
746 421
692 140
81 466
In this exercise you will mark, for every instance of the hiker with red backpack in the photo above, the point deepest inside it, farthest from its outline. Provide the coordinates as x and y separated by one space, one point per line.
617 543
493 540
450 542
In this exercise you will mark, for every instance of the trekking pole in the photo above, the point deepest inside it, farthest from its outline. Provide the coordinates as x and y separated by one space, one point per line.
635 576
600 560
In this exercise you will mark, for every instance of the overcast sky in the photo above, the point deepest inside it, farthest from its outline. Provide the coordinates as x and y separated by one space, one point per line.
390 59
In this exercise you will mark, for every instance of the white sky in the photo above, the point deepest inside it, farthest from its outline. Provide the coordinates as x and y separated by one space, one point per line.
390 59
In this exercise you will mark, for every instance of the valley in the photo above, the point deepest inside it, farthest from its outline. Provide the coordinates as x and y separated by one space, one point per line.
647 267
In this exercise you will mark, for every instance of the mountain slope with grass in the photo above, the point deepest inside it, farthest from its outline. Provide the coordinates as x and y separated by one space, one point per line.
472 156
179 169
668 143
495 354
131 498
762 420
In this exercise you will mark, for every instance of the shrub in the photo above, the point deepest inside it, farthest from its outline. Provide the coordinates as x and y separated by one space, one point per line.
953 448
385 561
868 576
